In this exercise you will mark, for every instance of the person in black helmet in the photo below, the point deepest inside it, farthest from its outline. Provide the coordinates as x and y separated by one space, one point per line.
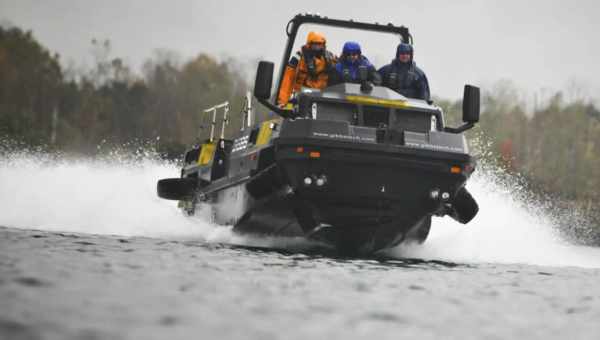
403 76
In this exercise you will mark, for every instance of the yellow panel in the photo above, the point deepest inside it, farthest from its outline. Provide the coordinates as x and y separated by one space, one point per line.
377 101
265 132
207 153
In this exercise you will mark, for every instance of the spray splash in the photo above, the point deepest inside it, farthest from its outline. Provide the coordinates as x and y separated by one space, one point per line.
113 195
116 195
110 196
513 224
506 230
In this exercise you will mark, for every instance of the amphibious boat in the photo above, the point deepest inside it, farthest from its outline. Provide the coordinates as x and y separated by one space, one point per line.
360 169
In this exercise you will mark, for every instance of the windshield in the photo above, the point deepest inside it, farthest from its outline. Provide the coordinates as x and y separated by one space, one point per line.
378 47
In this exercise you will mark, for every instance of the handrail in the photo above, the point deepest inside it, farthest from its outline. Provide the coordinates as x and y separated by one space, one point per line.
247 112
225 120
213 123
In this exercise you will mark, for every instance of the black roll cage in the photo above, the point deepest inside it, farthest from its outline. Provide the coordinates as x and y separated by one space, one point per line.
293 25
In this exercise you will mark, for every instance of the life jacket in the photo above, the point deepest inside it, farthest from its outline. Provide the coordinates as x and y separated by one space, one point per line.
305 71
348 71
401 77
405 79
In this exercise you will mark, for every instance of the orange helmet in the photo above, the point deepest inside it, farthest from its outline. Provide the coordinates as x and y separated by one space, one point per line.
315 38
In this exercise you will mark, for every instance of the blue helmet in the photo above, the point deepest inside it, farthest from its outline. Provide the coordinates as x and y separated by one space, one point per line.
351 47
404 48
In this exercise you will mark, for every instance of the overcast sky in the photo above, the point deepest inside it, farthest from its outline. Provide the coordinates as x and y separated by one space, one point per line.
540 45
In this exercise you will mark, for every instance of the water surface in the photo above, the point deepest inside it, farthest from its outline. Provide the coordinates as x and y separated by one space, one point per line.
88 251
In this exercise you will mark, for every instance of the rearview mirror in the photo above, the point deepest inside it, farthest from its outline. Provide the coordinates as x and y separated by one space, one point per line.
470 110
471 104
264 80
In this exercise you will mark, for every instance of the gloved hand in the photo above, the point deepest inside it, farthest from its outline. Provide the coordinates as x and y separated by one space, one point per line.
366 86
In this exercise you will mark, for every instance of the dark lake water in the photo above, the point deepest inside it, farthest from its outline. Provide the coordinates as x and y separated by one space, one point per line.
87 251
77 286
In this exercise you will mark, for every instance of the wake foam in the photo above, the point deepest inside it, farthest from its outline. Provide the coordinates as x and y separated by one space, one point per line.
506 230
109 196
117 195
114 195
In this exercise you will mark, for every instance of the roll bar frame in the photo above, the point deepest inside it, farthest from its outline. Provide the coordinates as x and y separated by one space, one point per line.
293 25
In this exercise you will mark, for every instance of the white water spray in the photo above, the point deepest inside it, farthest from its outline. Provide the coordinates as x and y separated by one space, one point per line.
504 231
98 197
119 197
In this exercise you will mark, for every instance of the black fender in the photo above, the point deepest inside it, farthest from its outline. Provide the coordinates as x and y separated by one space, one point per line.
179 189
464 207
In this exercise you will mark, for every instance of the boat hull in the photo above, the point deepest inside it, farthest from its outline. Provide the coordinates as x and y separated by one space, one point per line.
369 198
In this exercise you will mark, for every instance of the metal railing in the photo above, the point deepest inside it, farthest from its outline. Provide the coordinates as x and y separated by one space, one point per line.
213 123
246 116
247 112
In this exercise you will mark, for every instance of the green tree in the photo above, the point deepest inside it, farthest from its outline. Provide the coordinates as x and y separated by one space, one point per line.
30 85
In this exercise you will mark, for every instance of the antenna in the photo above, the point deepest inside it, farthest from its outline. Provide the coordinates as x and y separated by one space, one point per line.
247 112
249 108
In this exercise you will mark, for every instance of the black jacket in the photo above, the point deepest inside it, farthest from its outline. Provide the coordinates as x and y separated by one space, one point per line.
406 79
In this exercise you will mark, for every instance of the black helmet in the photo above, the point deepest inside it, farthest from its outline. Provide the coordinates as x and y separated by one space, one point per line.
404 48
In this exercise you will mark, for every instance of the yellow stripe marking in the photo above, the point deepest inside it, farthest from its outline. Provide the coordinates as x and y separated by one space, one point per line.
264 135
207 153
377 101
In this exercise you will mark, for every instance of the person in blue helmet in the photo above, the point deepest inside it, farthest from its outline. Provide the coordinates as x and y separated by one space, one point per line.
349 65
403 76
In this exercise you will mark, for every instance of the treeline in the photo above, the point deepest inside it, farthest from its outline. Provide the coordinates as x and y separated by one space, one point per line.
554 150
555 147
42 104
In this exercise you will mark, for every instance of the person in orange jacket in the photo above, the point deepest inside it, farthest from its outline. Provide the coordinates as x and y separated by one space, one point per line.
310 67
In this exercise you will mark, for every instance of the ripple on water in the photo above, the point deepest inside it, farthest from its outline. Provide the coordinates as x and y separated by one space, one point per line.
30 281
385 317
16 330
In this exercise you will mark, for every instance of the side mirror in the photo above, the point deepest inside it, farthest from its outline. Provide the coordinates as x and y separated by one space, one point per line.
264 80
470 110
471 104
262 88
